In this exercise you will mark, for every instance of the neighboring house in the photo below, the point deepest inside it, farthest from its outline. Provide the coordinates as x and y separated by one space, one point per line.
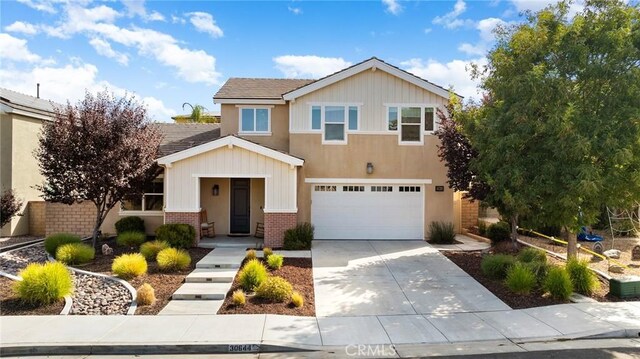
354 153
21 118
207 117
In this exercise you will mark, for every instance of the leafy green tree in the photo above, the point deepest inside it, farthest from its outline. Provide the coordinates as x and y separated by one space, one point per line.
197 112
559 131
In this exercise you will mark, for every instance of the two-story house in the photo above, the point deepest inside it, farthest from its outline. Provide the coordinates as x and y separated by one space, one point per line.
354 153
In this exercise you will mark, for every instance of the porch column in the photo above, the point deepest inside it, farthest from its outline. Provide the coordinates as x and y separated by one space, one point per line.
275 224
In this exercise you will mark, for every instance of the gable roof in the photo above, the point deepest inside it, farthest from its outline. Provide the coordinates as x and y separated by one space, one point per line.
372 63
230 141
27 105
178 137
256 89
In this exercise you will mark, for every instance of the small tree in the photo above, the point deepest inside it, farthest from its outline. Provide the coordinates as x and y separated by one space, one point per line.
9 206
100 150
197 112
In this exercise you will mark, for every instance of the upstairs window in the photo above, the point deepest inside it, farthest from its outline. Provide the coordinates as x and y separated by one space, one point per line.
429 119
316 117
334 121
255 120
411 122
334 127
410 125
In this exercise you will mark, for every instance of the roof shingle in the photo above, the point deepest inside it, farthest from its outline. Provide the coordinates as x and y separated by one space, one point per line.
24 102
255 88
181 136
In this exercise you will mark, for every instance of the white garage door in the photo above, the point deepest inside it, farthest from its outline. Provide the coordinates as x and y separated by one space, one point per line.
367 211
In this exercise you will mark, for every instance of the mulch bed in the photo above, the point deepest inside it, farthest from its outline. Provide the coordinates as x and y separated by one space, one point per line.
470 263
164 284
298 271
10 304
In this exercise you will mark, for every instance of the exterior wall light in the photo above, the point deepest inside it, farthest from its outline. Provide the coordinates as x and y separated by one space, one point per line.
216 190
369 168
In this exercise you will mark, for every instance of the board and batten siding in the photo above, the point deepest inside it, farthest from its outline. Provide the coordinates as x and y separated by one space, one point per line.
369 89
183 178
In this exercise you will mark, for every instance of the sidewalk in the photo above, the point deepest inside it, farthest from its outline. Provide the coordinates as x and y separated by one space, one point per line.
57 335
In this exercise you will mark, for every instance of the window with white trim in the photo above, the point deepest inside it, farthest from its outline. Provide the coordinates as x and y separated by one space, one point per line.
429 119
411 122
334 121
255 120
151 201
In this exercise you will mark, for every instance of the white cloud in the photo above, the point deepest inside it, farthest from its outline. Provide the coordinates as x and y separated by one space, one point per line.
453 73
295 10
393 6
428 30
14 49
155 16
486 29
309 66
204 22
178 20
22 27
451 19
137 8
42 5
536 5
104 48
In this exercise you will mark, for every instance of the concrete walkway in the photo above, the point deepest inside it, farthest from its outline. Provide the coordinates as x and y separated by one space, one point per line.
467 244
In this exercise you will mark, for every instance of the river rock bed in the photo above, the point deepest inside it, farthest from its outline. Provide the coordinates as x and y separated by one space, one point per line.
14 261
99 296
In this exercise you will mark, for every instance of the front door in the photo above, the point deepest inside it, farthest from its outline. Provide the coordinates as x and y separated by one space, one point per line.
240 211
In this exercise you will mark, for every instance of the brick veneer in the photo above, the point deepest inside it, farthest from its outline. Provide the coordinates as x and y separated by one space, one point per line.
192 218
275 224
77 218
469 213
37 218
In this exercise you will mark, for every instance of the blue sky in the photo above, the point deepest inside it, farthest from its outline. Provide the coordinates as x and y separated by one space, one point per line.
171 52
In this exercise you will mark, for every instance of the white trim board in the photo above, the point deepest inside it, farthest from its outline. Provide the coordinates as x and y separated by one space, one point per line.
248 101
368 180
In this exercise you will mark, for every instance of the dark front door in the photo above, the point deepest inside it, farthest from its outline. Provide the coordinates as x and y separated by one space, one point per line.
240 216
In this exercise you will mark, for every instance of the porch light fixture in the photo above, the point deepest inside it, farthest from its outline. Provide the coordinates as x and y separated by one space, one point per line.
369 168
216 190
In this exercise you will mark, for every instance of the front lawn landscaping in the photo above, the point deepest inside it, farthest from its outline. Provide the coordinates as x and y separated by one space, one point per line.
10 304
297 271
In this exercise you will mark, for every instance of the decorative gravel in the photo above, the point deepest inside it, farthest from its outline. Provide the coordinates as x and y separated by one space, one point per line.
95 295
14 261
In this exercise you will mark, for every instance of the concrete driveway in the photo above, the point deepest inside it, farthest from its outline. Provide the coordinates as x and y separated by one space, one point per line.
361 278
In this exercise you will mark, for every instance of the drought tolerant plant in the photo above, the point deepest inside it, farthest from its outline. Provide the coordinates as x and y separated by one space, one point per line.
538 268
54 241
558 283
173 259
496 266
44 283
276 289
498 232
266 252
583 279
442 232
178 235
532 255
520 279
75 253
482 228
251 254
297 300
9 206
252 274
130 224
151 249
298 237
131 239
274 261
238 298
145 295
129 266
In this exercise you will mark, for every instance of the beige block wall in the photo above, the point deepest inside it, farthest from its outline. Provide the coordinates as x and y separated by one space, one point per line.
218 209
37 218
77 219
469 213
390 161
279 138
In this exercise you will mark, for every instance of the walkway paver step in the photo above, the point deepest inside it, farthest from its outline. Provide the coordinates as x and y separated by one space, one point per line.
211 275
201 291
191 307
211 265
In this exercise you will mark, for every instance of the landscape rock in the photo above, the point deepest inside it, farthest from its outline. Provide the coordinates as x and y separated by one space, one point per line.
106 250
612 253
635 253
13 262
614 268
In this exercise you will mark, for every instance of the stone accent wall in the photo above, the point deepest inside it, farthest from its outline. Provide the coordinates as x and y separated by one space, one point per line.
37 218
192 218
275 224
77 218
469 212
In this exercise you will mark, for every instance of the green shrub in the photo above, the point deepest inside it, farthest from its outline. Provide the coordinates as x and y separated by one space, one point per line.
252 275
44 283
520 279
75 253
498 232
482 228
54 241
131 239
538 268
173 259
266 252
298 237
276 289
532 255
442 233
128 266
178 235
558 283
297 300
496 266
251 254
584 281
130 224
151 249
274 261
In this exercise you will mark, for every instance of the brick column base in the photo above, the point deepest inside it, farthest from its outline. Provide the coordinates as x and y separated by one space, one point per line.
469 213
192 218
275 224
